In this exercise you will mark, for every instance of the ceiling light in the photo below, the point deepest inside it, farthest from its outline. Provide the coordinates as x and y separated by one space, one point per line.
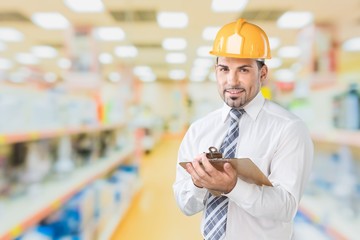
228 5
274 62
148 78
274 42
44 51
284 75
64 63
352 44
174 44
50 20
177 74
85 5
209 33
289 52
204 62
50 77
115 77
10 35
294 19
172 19
142 70
175 58
197 77
2 46
26 59
199 71
204 51
109 33
126 51
5 64
105 58
144 73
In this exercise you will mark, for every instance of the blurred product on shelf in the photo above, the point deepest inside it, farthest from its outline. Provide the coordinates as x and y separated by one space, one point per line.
64 163
346 109
87 214
333 194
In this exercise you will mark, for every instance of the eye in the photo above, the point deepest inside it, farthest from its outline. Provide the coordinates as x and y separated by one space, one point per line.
244 70
223 69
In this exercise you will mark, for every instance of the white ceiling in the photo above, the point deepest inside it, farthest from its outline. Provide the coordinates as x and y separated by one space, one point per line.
343 15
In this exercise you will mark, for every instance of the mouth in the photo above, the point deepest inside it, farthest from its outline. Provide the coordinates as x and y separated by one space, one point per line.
234 92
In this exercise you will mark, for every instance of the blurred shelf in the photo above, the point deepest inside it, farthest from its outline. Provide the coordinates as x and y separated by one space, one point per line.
325 212
342 137
36 135
24 212
118 215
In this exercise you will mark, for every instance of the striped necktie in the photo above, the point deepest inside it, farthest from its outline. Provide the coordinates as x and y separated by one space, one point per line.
216 207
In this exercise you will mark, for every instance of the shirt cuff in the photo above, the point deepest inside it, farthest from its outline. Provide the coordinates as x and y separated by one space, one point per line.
242 192
199 193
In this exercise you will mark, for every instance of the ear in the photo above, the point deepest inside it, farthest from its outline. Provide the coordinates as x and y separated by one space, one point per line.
263 74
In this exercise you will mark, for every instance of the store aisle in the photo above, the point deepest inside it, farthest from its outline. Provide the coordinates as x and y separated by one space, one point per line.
153 214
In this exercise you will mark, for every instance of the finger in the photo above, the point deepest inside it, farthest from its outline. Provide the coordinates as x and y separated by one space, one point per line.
229 170
193 174
199 168
209 168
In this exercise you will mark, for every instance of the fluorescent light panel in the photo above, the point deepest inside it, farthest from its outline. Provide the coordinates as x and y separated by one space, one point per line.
85 5
289 52
274 42
2 46
172 19
228 5
293 19
5 64
209 33
27 59
274 62
126 51
284 75
64 63
174 44
177 74
10 35
105 58
203 51
352 45
175 58
50 20
44 51
114 77
109 33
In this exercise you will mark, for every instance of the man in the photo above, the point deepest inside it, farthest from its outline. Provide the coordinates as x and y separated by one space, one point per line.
246 126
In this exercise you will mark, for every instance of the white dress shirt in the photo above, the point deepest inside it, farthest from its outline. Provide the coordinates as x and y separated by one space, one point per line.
279 143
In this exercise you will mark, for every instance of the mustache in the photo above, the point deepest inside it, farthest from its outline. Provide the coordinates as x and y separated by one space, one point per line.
234 88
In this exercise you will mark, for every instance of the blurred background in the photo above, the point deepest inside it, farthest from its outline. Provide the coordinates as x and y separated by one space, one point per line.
95 96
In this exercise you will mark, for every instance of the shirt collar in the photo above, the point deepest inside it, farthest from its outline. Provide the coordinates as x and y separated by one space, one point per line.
252 108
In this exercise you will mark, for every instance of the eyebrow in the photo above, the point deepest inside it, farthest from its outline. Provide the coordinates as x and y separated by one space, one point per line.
243 66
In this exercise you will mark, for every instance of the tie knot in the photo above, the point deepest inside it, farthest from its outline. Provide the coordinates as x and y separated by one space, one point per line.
236 114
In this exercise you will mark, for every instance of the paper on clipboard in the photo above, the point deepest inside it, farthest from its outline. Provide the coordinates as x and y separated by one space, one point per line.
246 169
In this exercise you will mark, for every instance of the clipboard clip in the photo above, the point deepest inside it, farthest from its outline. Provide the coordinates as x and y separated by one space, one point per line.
213 153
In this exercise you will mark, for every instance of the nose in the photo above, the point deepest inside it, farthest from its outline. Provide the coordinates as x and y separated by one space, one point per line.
232 78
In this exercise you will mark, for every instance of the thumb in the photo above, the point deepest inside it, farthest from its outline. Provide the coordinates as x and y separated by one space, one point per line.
228 168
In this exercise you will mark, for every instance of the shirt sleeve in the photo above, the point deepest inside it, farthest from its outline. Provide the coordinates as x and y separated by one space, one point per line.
189 198
289 173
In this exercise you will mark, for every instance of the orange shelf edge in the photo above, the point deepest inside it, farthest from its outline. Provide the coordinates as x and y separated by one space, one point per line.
56 204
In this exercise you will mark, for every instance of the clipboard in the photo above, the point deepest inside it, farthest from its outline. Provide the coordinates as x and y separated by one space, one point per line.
246 169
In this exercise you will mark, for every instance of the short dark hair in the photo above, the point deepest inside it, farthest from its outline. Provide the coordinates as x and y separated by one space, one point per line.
260 63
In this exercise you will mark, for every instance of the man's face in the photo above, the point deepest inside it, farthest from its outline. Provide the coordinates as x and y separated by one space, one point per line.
239 80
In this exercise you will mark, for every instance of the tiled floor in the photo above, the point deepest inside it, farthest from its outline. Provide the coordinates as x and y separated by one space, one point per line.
154 214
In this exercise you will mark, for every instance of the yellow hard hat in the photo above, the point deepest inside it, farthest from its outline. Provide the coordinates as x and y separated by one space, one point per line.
241 39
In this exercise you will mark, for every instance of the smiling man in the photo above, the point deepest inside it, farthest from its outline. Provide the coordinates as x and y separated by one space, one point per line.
246 126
